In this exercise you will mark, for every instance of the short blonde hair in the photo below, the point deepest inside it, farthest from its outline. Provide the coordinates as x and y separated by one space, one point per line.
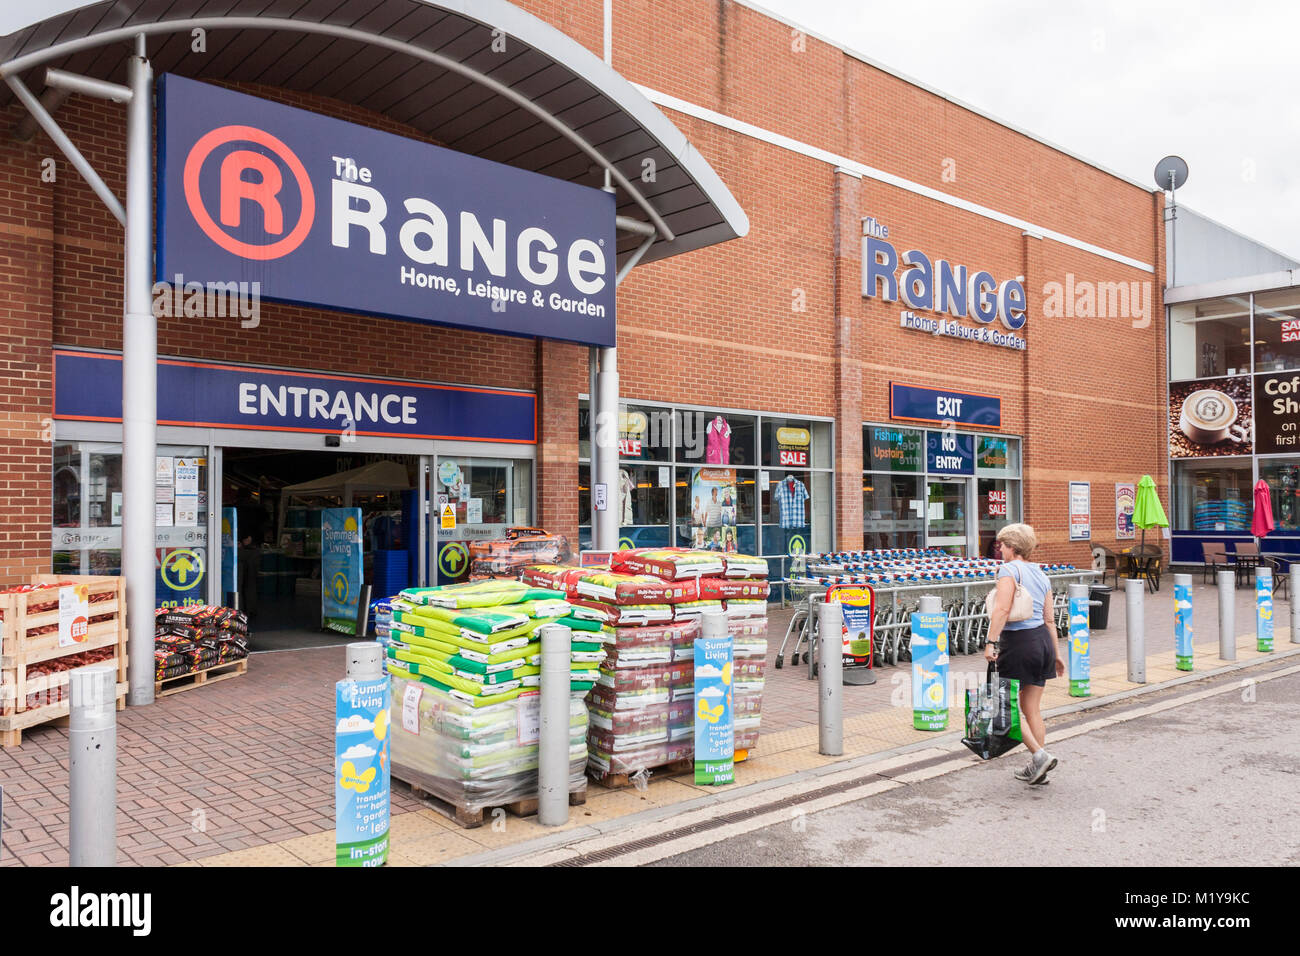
1020 538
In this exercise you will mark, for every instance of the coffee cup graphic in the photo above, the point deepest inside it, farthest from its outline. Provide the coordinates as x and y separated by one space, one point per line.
1209 416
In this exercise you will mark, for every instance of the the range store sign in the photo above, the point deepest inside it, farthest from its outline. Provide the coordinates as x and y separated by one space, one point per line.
330 214
952 291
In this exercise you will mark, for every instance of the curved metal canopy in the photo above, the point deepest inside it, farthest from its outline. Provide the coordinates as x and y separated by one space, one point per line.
481 77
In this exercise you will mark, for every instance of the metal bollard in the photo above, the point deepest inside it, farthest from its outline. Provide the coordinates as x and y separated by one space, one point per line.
830 675
553 743
1183 622
1295 604
1227 616
92 767
1134 595
1264 610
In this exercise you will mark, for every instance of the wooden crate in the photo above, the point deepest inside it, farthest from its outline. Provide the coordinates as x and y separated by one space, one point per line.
19 648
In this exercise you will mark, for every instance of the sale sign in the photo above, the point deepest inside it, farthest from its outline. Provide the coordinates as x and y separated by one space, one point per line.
792 447
997 504
74 614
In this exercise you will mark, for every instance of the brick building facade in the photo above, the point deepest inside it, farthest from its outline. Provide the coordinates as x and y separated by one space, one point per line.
810 140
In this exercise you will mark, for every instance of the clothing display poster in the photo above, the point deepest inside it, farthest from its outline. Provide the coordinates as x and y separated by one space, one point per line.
362 771
340 571
713 509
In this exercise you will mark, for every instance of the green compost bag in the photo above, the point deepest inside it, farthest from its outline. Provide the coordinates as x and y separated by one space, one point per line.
993 716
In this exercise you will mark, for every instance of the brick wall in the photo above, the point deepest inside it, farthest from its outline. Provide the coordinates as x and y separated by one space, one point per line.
775 321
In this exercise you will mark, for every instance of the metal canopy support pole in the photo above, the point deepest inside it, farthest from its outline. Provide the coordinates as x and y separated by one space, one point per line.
605 456
139 382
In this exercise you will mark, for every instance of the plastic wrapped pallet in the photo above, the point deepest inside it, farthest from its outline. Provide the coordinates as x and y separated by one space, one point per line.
476 757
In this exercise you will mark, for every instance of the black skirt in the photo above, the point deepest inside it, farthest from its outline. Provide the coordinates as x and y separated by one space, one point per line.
1027 655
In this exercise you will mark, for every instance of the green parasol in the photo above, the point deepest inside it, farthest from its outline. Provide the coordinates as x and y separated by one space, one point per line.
1147 511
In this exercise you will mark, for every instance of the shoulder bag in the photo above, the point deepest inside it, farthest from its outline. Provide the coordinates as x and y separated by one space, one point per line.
1022 605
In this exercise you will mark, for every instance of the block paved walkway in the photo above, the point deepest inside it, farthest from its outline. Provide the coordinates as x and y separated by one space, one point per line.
240 773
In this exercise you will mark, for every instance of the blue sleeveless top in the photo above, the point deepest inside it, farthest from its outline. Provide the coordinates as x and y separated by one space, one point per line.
1035 582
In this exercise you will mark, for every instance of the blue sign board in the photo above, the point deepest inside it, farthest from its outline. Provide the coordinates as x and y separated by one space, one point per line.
88 387
1183 626
331 214
340 568
1264 610
179 577
362 771
715 725
229 544
930 671
949 453
920 404
1079 661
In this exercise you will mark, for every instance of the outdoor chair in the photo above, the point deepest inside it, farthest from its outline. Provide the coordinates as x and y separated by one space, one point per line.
1247 559
1215 557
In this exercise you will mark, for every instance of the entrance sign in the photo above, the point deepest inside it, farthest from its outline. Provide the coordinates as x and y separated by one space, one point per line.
326 213
340 568
88 387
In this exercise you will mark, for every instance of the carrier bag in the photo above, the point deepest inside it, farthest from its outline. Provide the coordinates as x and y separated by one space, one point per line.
993 716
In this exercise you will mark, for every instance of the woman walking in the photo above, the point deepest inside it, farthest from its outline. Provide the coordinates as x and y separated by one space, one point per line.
1026 650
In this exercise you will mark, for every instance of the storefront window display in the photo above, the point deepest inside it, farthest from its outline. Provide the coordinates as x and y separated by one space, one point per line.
1283 478
1210 339
917 489
1277 331
86 519
1212 496
727 472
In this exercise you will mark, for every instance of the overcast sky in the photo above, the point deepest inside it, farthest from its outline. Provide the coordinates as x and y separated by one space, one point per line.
1122 84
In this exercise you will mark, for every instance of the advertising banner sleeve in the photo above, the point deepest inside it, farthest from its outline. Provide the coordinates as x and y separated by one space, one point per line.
930 671
340 560
362 771
229 543
714 714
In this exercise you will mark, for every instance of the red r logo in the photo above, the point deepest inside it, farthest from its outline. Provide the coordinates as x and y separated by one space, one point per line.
264 191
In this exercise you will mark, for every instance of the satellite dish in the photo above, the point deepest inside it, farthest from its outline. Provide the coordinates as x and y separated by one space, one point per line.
1171 166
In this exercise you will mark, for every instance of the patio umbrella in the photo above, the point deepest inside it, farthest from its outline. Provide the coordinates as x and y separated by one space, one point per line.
1147 511
1261 523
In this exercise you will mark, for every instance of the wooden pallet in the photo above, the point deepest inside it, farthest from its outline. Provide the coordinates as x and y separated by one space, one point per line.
470 819
209 675
617 781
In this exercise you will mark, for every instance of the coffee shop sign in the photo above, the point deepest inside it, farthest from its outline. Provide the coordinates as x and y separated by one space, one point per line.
943 287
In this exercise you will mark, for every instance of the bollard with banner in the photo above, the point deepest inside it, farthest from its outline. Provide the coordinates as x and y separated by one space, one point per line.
340 568
930 669
1078 659
362 770
1264 610
229 544
715 729
1183 622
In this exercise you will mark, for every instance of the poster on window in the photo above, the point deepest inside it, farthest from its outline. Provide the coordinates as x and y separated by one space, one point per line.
1080 511
1125 497
1212 418
1277 413
792 447
713 509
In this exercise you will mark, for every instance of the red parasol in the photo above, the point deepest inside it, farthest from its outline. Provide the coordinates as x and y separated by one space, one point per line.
1262 521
